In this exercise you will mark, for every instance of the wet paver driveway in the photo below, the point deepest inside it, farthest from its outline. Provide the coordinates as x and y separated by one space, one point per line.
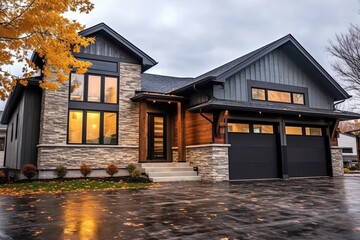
296 209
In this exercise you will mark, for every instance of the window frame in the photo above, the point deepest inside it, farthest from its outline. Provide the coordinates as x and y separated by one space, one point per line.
101 128
102 88
277 90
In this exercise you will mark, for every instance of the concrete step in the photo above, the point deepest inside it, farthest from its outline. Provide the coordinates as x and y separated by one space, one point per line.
165 164
176 179
172 174
168 169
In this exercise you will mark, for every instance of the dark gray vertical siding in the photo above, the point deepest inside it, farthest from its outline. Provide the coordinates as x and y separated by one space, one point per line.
22 149
31 125
105 47
275 67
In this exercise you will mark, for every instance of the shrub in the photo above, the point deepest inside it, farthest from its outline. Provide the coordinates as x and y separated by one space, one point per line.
112 169
29 170
346 170
2 174
61 171
85 169
354 168
135 173
131 167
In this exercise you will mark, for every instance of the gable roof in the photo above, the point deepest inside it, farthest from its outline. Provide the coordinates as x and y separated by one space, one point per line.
147 61
292 46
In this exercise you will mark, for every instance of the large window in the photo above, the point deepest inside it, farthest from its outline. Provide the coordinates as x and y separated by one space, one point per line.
92 127
93 88
277 96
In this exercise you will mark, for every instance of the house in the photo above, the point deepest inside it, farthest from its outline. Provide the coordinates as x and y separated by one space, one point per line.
347 142
269 114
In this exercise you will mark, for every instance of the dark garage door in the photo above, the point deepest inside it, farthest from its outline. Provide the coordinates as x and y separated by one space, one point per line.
306 151
254 151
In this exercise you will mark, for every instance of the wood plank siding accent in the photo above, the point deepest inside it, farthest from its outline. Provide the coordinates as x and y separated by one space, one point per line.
197 129
276 67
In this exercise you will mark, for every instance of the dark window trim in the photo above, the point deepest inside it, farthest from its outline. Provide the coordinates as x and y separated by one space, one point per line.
347 148
12 132
303 129
102 90
101 142
277 87
152 115
275 90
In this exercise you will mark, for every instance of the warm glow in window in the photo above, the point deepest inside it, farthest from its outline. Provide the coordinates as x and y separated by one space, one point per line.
110 128
298 98
313 131
238 127
94 86
277 96
258 94
265 129
93 127
75 126
77 87
111 89
291 130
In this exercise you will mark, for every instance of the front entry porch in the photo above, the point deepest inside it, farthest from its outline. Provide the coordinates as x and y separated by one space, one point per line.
161 127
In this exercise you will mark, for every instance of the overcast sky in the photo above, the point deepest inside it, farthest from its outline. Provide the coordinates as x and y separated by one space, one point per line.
190 37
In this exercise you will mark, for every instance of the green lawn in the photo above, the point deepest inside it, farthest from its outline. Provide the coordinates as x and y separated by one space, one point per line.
65 186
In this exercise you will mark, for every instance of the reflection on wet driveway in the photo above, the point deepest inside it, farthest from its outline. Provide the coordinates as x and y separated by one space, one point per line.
296 209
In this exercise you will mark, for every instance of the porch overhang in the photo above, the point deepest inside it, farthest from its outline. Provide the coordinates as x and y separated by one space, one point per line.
216 104
150 96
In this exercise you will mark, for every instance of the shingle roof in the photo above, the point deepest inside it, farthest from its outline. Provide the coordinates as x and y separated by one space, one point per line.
162 84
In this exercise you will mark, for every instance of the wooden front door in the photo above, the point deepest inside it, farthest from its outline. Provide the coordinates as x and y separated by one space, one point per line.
157 137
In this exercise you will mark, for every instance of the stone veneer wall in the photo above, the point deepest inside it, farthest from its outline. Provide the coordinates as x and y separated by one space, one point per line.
211 159
52 148
337 162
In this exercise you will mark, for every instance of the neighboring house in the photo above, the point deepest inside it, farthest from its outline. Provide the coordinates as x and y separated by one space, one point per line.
268 114
2 142
347 142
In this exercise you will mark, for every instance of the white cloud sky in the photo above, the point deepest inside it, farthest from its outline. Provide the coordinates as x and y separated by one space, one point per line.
190 37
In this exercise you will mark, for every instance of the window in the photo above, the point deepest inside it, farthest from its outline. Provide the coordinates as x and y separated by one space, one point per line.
313 131
77 87
98 89
12 132
110 128
94 88
238 127
291 130
75 126
110 90
258 94
2 144
298 98
92 127
17 125
264 129
277 96
347 150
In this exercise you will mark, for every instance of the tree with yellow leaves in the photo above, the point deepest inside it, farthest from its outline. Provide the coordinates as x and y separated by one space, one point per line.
40 26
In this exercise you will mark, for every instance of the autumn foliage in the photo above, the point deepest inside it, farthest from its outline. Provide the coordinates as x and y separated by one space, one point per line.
85 169
112 169
29 170
40 26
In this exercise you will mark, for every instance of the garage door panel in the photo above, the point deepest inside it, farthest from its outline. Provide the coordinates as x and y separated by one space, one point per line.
253 156
306 156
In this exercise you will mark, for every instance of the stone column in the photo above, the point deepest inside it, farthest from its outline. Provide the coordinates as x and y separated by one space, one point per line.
337 162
